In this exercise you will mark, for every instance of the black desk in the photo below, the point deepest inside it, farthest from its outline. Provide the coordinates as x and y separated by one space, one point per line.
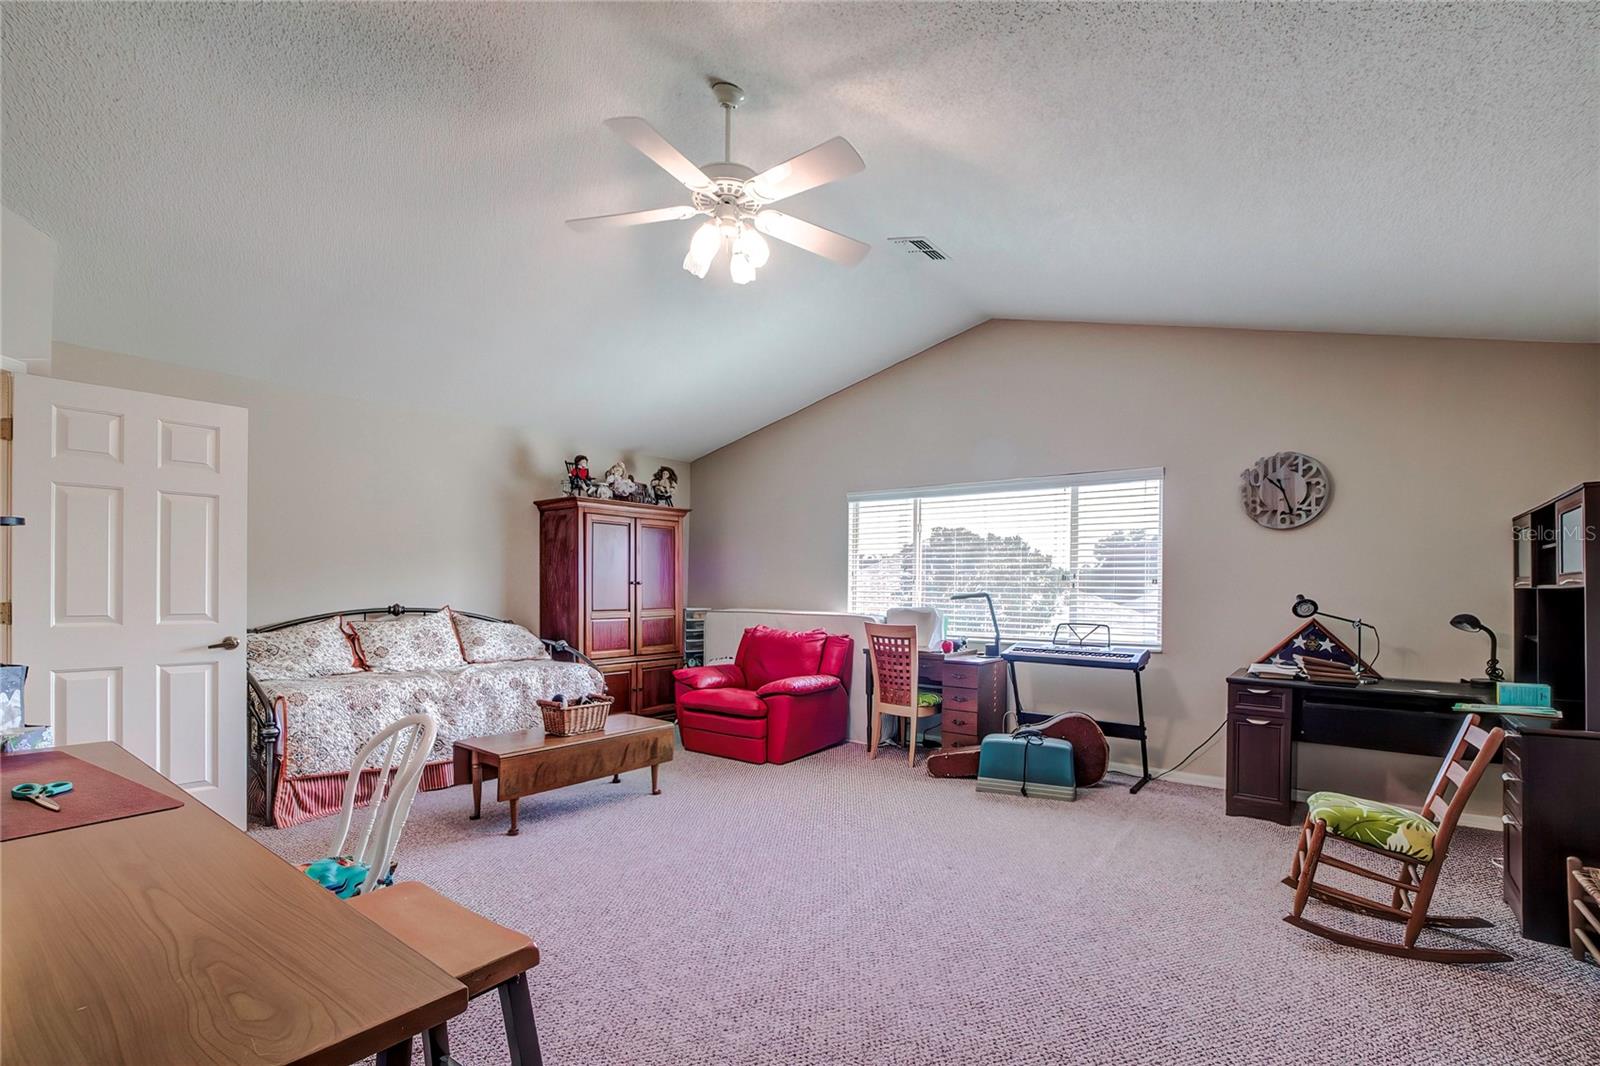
1266 718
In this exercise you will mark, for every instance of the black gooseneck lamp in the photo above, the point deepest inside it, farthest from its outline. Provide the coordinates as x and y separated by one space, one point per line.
994 648
1469 623
1305 608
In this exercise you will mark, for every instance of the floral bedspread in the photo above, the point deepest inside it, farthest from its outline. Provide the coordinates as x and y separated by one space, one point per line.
328 719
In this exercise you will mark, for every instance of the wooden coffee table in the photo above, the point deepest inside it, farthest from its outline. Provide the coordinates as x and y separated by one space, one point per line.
529 762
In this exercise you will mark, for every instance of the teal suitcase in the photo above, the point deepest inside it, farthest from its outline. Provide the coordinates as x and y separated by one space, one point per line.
1026 763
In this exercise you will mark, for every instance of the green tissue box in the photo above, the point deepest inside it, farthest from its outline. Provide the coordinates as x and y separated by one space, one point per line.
1522 694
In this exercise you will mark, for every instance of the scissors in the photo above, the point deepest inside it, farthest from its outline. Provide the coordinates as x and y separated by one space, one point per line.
41 794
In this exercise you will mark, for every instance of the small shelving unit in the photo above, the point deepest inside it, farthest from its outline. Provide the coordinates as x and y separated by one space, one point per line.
694 636
1550 767
1555 620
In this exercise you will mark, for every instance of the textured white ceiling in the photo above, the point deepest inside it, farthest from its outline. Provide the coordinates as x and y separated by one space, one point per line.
370 199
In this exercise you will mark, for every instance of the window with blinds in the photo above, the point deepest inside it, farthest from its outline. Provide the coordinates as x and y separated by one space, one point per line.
1084 548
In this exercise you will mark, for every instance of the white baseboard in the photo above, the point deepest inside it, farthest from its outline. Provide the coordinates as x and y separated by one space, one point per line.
1182 777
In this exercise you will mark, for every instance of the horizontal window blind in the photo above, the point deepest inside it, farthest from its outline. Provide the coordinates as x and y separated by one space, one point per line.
1081 549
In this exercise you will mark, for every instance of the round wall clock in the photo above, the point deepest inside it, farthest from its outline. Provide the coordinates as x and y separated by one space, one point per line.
1285 491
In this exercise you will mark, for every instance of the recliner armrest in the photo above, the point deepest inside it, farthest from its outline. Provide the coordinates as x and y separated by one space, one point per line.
722 675
804 685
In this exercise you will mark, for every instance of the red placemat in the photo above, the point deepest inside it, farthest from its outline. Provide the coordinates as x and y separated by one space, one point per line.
97 795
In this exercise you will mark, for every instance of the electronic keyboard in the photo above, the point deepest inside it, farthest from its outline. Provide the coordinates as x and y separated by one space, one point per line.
1106 658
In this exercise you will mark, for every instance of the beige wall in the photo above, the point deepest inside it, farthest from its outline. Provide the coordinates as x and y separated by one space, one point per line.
27 299
1432 446
354 505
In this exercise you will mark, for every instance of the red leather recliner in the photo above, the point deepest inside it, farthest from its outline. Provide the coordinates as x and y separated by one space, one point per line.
785 695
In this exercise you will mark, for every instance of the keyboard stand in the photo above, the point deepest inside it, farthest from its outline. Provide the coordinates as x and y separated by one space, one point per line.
1120 730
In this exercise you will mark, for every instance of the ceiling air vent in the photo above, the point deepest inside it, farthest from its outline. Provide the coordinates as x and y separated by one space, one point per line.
917 246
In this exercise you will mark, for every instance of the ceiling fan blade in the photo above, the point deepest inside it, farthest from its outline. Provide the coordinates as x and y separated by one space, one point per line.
643 136
813 238
632 218
828 161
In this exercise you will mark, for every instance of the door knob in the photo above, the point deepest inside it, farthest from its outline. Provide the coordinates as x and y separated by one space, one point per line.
225 644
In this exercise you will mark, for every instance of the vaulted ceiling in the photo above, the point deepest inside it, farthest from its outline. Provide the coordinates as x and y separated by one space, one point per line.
368 200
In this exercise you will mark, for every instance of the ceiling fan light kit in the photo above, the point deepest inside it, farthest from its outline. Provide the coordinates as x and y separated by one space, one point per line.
734 198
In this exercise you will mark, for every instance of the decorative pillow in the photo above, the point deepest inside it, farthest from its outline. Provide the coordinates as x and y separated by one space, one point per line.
302 652
408 642
496 642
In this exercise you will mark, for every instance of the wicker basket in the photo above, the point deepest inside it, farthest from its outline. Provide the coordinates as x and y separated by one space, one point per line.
586 717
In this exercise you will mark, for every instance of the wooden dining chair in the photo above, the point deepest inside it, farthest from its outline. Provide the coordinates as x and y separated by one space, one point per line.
402 749
893 654
483 955
1417 841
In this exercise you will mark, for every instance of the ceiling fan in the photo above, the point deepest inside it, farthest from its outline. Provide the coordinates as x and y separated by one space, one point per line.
735 197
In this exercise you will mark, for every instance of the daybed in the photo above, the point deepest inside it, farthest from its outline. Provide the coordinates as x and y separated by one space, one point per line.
320 687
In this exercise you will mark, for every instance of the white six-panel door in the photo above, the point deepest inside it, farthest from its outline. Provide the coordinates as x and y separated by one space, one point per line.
130 569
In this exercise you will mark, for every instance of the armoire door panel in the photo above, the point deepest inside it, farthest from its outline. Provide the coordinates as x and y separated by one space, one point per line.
610 637
610 563
658 565
658 633
659 561
619 686
657 691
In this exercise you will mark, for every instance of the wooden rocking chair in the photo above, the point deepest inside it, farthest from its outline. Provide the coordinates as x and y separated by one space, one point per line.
1417 842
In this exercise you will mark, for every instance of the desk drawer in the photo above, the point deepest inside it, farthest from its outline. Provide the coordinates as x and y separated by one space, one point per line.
960 699
1511 787
961 675
948 739
1513 850
1511 800
954 721
1258 698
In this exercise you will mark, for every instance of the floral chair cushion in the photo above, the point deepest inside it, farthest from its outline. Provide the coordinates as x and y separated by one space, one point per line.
496 642
311 649
1382 825
408 642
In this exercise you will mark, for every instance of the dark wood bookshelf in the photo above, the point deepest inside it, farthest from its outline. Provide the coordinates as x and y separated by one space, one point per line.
1555 619
1551 767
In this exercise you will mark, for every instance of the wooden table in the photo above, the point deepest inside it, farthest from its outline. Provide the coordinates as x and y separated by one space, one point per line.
174 938
528 762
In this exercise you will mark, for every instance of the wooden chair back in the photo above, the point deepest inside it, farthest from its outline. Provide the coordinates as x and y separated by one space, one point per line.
1466 761
893 651
405 747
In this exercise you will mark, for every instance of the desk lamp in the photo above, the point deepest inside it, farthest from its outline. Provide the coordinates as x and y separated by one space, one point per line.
1469 623
1304 608
994 648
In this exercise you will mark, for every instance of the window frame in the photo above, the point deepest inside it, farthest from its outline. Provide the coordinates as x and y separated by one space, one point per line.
1019 485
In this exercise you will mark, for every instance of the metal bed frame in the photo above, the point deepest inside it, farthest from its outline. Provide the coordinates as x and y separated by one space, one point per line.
264 729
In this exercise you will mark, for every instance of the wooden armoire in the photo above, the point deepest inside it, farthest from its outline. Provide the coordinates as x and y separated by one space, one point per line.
611 584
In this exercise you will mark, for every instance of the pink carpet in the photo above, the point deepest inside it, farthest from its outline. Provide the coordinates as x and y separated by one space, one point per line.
840 911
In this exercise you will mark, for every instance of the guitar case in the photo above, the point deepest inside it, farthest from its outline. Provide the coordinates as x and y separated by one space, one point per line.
1090 752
